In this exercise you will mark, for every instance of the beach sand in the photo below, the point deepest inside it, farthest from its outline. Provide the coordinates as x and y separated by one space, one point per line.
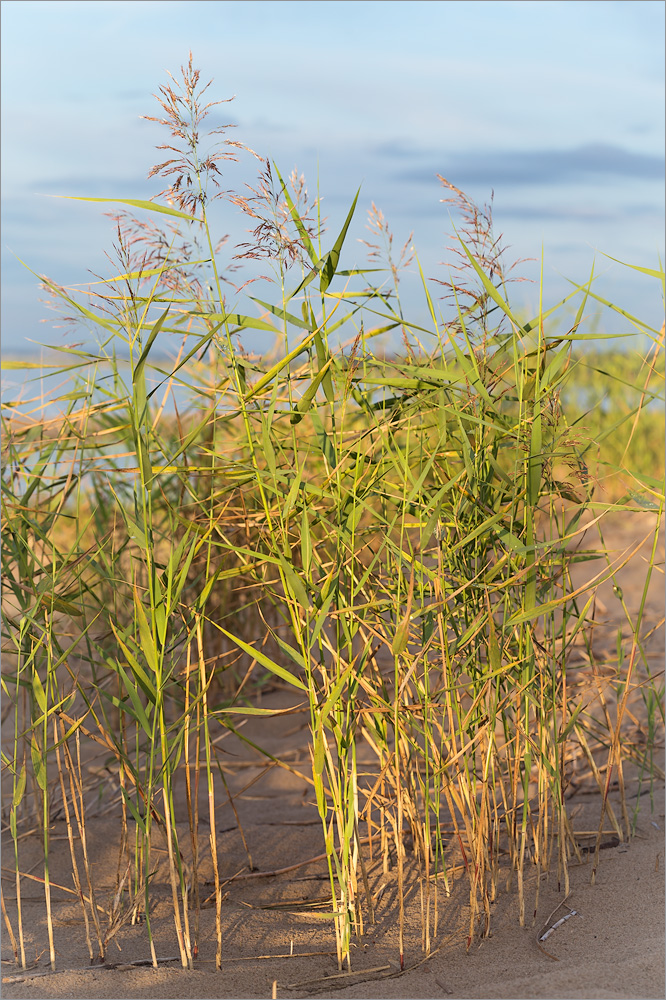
611 947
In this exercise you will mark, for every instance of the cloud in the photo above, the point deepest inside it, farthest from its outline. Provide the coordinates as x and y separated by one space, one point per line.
91 186
398 149
579 213
542 166
530 213
130 95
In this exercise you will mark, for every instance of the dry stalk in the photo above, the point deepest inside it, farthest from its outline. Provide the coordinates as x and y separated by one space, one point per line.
70 837
183 946
192 801
8 925
79 812
204 682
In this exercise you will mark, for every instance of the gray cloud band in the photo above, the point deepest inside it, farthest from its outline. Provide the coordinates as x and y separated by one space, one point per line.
539 166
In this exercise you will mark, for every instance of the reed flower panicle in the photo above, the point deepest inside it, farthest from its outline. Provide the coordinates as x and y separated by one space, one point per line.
487 249
183 116
273 204
382 251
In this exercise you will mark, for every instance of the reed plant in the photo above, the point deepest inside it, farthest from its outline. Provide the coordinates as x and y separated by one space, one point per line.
393 538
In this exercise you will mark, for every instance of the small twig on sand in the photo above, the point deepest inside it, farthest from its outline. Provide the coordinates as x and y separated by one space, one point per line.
337 975
326 981
546 931
295 954
111 966
289 868
559 923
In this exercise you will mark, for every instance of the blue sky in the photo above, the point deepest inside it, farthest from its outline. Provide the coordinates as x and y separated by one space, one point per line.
557 106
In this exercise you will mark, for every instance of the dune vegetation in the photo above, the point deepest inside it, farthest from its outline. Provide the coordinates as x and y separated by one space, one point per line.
389 535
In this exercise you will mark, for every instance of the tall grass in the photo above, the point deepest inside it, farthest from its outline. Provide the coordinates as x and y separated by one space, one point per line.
392 538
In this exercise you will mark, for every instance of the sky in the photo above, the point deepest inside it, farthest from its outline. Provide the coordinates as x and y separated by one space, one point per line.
556 107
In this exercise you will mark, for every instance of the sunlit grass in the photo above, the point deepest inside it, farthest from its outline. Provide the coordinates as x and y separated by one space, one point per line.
393 538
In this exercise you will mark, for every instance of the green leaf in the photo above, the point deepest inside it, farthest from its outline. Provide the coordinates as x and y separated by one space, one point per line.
284 315
138 712
323 354
181 579
149 272
548 379
490 288
132 808
320 620
237 319
306 399
535 463
334 695
480 530
510 541
7 366
141 676
279 365
39 692
143 455
298 222
494 653
332 259
290 502
650 271
20 787
147 642
289 651
267 448
294 583
572 722
319 751
157 326
265 661
201 344
306 541
401 636
325 443
38 764
320 796
110 325
133 529
641 326
250 710
149 206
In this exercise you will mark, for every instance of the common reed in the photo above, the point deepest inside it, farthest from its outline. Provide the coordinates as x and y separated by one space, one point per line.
392 538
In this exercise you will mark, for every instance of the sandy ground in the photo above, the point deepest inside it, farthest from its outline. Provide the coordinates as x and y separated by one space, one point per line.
613 947
273 926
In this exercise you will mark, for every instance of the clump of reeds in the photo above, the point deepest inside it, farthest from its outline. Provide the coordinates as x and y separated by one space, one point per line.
391 537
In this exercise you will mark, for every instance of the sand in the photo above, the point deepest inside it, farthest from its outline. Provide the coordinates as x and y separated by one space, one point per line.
611 947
